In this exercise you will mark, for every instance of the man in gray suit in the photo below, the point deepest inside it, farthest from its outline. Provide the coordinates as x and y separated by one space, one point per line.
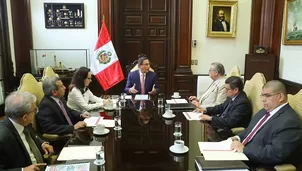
274 135
215 93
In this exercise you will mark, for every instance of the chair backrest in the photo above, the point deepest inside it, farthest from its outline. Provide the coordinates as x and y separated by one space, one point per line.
295 102
253 88
30 84
235 71
48 72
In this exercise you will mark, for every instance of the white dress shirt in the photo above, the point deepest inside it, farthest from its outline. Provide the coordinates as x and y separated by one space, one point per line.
81 102
224 25
20 129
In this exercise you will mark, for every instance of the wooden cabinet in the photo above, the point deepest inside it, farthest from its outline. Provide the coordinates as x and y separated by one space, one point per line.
266 64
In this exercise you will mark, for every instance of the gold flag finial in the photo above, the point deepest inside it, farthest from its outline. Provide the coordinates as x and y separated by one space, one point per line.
103 18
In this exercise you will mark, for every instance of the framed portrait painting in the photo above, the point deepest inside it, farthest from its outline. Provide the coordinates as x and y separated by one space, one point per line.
222 17
292 22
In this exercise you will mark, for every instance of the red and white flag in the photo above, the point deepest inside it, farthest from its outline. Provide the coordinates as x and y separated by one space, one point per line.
105 64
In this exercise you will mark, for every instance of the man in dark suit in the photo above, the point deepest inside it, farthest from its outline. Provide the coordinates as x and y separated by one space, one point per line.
54 116
142 81
275 132
236 111
220 24
20 147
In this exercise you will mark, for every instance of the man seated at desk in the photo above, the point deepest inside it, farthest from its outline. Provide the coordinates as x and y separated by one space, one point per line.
142 81
215 93
20 146
236 111
54 116
275 132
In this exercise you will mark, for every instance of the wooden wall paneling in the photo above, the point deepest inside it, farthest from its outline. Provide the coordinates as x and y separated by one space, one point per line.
21 19
255 24
266 28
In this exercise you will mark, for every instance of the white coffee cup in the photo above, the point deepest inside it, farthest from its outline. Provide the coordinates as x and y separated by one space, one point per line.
109 105
176 94
168 113
179 145
100 128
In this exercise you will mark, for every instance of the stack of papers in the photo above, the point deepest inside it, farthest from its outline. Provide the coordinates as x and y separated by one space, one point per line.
176 101
141 97
220 151
69 167
78 153
191 116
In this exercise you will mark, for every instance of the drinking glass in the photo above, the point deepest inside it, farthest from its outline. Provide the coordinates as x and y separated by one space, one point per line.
123 97
117 123
177 129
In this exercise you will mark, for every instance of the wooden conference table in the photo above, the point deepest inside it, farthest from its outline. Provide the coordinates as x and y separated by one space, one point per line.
142 144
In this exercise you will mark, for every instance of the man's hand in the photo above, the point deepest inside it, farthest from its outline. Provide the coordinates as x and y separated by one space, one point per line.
153 90
48 149
196 103
34 167
191 98
85 115
132 90
205 117
80 124
234 138
199 110
238 146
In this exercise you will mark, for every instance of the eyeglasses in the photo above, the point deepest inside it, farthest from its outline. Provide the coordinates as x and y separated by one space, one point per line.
227 89
89 78
268 95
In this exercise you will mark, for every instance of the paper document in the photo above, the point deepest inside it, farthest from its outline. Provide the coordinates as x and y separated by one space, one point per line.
176 101
78 153
92 121
107 122
215 146
223 155
69 167
128 97
141 97
191 116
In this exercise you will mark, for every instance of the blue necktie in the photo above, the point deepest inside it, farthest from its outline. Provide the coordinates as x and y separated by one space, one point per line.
226 111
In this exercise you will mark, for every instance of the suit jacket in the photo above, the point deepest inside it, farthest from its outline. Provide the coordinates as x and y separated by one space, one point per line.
215 94
51 119
238 115
217 25
150 80
13 154
277 140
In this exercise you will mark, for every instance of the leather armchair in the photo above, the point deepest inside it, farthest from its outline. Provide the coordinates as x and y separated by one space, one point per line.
235 71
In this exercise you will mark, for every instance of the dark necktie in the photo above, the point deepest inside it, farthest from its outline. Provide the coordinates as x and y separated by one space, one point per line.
256 128
226 111
65 113
33 147
142 84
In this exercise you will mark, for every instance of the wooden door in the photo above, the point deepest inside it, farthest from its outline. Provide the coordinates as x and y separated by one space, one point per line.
144 27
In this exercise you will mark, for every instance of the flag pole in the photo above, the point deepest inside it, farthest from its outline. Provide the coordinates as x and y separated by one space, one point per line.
103 20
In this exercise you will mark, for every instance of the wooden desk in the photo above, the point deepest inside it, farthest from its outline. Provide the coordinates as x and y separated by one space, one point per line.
140 145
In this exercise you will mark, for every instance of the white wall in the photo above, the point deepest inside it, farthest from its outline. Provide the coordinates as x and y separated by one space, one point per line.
65 38
228 51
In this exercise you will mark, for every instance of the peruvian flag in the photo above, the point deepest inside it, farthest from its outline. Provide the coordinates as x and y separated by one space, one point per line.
104 63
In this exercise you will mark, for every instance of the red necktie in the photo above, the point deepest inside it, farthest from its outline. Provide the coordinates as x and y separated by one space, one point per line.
258 125
65 113
142 84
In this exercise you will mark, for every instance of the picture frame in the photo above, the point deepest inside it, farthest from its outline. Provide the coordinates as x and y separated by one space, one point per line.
222 18
292 27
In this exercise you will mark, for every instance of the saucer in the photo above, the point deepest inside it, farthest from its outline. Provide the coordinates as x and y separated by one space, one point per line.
177 134
168 117
106 131
176 97
177 151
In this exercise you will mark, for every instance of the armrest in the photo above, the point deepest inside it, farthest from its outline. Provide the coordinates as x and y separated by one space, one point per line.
54 137
285 167
237 130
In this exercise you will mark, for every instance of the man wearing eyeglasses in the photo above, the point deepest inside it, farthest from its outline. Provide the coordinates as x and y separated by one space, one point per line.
274 135
142 81
236 111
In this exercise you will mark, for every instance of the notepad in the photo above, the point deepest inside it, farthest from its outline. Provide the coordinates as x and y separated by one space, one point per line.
176 101
70 167
92 121
78 153
215 146
191 116
141 97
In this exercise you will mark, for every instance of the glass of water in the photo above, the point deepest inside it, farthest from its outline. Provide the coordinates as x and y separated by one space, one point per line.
117 122
100 155
123 97
177 129
160 101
